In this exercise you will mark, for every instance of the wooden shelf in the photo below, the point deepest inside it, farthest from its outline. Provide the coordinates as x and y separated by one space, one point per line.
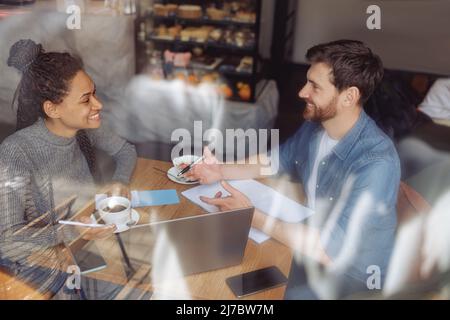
203 21
206 44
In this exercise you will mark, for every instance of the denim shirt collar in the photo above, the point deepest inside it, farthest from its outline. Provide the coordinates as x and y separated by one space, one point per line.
346 144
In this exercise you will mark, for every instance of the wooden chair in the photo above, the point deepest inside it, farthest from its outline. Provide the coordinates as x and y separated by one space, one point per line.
410 204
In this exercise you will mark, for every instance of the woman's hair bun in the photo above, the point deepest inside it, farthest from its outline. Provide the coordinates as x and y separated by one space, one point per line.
23 53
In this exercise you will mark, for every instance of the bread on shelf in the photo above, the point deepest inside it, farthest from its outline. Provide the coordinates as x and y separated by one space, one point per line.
189 12
225 90
216 14
162 32
164 10
245 92
246 17
171 9
174 31
200 34
216 34
245 65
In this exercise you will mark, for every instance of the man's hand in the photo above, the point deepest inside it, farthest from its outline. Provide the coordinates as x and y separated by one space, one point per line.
95 233
206 172
235 200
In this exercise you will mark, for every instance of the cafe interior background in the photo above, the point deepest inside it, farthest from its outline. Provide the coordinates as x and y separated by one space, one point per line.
244 70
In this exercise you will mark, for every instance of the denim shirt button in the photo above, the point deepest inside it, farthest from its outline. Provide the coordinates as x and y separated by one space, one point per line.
317 187
296 162
323 163
331 198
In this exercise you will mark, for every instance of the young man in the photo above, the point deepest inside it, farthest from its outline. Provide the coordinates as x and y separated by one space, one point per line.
349 169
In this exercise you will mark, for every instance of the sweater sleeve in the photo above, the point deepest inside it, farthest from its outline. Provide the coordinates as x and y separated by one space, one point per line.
18 207
123 152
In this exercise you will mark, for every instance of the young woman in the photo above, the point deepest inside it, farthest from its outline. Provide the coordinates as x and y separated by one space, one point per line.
49 159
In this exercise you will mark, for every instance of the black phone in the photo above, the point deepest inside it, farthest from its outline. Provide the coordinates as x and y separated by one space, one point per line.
256 281
89 259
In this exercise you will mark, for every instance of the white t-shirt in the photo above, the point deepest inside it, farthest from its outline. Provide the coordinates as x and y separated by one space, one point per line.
437 102
325 146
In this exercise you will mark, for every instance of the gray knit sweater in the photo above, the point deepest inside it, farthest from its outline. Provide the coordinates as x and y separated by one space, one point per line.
39 170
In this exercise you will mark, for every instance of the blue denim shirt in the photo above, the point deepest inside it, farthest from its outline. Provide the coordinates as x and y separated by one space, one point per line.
356 195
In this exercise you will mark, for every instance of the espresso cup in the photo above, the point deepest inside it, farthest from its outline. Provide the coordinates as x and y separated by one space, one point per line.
115 210
186 159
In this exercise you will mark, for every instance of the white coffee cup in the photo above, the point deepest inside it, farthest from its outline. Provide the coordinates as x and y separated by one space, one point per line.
186 159
118 218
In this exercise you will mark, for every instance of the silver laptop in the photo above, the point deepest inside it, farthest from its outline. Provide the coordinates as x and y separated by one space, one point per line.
201 243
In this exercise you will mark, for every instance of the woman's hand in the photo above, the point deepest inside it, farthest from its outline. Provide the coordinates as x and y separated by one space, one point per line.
95 233
118 189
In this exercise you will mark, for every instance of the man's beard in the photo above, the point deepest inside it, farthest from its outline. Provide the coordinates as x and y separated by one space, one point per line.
316 114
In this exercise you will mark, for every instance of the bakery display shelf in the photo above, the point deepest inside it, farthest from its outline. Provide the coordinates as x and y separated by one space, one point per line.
196 41
205 44
202 21
236 74
225 73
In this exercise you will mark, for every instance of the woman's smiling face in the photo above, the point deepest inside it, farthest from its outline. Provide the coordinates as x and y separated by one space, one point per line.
80 109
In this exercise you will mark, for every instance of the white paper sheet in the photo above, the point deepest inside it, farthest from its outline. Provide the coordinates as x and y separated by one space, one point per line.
258 236
264 198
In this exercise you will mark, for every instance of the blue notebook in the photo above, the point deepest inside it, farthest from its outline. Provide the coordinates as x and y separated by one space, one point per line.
153 198
147 198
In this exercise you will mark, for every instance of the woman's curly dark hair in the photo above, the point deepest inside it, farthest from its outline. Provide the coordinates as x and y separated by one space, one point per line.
46 76
393 106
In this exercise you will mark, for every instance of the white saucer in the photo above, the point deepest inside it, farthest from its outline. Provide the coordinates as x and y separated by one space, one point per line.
134 217
172 173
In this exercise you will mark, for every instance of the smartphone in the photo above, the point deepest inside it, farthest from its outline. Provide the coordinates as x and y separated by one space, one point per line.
256 281
89 259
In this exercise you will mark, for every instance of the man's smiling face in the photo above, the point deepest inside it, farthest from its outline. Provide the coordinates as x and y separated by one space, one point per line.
320 95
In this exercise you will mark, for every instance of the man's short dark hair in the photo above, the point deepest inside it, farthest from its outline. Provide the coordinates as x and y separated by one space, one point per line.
352 63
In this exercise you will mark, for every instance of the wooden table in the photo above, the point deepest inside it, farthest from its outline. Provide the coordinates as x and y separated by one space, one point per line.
138 246
13 289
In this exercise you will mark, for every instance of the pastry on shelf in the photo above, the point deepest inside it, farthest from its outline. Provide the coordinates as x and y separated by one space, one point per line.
228 37
246 17
216 14
186 33
207 78
216 34
225 90
245 38
244 91
203 33
162 10
174 31
246 65
210 77
239 39
235 6
197 51
162 32
193 79
180 76
195 34
171 9
189 11
159 10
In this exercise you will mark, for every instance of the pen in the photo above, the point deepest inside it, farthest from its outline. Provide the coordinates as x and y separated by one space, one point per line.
162 171
80 224
189 166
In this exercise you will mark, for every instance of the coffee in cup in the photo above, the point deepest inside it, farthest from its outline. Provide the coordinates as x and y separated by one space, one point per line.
115 210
